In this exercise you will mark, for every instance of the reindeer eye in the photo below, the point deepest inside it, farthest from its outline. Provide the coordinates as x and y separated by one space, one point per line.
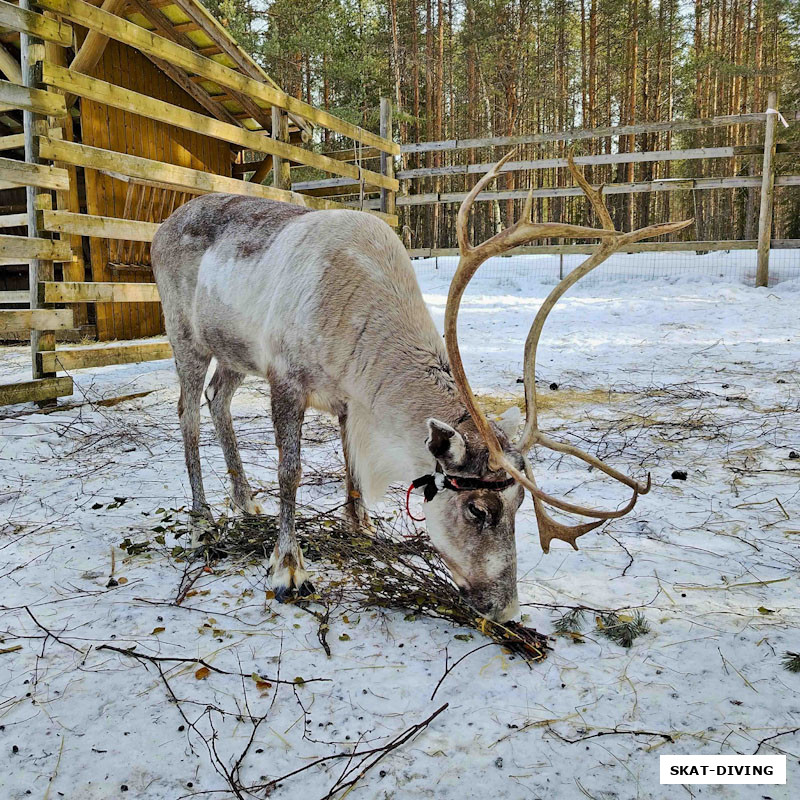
477 513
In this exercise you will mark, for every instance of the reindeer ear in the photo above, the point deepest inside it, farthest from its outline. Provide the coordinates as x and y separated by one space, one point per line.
509 421
445 443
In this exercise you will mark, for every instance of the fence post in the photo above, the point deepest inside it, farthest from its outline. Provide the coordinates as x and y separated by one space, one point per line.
767 187
281 169
31 58
387 165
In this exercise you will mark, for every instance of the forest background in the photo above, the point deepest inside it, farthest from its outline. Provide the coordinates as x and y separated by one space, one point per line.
477 68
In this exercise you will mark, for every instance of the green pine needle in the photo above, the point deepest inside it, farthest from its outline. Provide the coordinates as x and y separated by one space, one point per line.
571 622
791 661
620 631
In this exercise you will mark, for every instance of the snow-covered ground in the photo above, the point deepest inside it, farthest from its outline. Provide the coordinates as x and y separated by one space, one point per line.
693 374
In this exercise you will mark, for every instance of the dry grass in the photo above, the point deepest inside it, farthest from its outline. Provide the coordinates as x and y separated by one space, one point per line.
379 571
559 400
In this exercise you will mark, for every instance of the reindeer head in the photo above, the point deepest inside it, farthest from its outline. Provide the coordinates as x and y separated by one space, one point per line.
482 469
471 511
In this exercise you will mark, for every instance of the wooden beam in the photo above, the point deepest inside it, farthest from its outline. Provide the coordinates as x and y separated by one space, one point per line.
36 319
136 103
588 249
91 51
36 101
24 21
329 187
13 220
10 66
41 267
193 180
665 185
262 169
94 292
387 165
148 42
35 391
12 142
25 248
574 135
42 176
98 226
281 171
342 191
354 154
17 140
186 27
612 158
767 186
15 297
69 359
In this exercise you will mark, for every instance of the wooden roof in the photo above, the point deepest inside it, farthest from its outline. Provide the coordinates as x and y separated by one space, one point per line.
190 24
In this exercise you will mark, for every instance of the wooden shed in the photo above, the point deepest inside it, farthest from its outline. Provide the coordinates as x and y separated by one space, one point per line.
95 123
121 113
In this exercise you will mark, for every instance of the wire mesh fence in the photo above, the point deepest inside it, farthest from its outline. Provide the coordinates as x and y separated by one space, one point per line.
737 266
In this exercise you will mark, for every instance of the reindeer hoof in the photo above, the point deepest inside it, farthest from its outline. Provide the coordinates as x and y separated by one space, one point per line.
283 594
287 594
306 589
288 577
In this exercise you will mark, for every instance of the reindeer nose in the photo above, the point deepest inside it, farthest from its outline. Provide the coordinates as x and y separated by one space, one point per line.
488 606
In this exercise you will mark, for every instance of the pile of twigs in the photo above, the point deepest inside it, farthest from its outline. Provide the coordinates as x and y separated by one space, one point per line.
378 571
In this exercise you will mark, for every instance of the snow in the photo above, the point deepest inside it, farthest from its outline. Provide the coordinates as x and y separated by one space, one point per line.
692 372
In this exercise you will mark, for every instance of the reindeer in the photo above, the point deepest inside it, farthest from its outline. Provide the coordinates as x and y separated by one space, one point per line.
326 306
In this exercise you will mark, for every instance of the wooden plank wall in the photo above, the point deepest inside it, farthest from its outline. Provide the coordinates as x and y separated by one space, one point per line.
128 133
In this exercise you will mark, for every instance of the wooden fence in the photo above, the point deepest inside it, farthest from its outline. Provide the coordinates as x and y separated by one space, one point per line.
362 176
51 159
766 182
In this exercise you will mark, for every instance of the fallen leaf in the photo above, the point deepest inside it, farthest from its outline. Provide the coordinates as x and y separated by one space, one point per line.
156 631
262 686
120 581
762 610
202 673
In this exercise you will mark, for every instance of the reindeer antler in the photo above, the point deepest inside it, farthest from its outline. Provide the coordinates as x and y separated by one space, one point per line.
471 257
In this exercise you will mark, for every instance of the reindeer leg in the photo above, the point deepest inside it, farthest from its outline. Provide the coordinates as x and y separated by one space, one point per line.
219 394
356 511
288 572
192 368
